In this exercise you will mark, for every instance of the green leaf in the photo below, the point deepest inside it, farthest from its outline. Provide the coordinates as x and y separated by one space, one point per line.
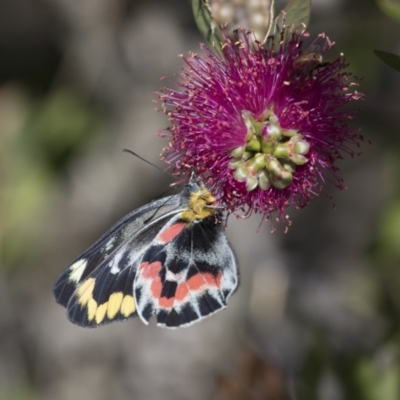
393 60
391 8
207 25
297 13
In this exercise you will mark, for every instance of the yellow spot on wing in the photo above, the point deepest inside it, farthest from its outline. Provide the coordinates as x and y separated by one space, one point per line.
91 309
114 304
128 306
101 312
77 270
85 291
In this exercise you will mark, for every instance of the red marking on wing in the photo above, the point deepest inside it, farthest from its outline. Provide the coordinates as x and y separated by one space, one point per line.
150 271
196 282
167 303
213 280
156 287
171 232
181 291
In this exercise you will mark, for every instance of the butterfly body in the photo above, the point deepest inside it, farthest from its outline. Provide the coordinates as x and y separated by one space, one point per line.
169 259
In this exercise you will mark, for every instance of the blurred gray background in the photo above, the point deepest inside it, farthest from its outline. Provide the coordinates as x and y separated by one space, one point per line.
317 313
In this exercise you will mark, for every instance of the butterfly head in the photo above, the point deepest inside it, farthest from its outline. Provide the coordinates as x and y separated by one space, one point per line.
201 204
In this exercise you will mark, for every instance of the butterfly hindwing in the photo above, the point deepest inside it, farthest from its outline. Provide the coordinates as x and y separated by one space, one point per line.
187 273
98 287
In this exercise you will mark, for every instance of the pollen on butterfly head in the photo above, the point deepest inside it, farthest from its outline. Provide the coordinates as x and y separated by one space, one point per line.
201 205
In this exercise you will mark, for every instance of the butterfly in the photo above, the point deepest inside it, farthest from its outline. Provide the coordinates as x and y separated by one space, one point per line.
170 259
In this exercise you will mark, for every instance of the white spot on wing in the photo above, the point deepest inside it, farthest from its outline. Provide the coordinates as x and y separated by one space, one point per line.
170 276
110 243
77 270
115 269
116 264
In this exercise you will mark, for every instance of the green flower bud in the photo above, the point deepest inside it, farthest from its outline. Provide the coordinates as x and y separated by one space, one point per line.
282 181
288 166
273 165
235 164
241 174
254 144
273 119
298 159
238 152
249 122
263 181
267 145
258 162
273 132
301 147
251 182
281 151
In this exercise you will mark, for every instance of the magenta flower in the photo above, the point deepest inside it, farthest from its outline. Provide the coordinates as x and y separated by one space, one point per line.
262 128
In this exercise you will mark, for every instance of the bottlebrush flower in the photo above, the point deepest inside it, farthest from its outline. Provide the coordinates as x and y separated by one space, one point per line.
262 126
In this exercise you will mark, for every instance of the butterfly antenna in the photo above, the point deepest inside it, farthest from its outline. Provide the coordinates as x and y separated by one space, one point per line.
143 159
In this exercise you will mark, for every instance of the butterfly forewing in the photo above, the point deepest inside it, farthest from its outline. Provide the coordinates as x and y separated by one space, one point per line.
107 269
106 294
